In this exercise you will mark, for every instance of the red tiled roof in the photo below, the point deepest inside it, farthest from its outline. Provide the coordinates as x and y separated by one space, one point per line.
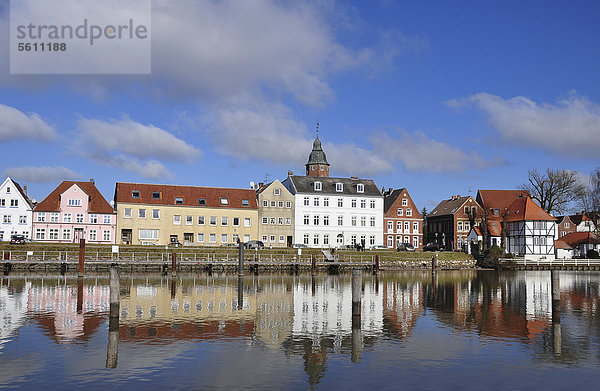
477 230
560 244
498 199
190 194
575 238
494 228
523 208
97 203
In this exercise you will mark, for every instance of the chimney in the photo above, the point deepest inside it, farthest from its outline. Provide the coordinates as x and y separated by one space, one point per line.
453 197
391 189
290 173
354 177
260 184
93 181
458 196
25 189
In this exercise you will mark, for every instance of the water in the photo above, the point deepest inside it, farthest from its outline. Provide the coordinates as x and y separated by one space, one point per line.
455 330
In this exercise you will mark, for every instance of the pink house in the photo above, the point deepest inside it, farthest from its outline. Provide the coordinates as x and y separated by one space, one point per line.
73 211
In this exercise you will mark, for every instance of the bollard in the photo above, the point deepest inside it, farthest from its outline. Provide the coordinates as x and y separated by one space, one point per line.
112 350
556 331
114 283
376 270
81 255
240 292
241 259
314 264
356 290
434 259
174 263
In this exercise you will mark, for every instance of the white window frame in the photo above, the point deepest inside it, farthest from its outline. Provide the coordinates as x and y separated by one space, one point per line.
360 188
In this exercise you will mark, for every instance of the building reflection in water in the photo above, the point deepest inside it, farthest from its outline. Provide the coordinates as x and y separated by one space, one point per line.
310 316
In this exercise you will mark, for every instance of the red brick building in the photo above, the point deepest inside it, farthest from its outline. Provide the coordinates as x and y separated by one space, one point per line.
402 221
449 223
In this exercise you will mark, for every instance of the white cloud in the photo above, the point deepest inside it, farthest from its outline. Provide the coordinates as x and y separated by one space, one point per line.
44 174
16 125
418 152
569 127
131 146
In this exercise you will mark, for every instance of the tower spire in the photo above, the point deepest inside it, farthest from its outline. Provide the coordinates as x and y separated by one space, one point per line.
317 128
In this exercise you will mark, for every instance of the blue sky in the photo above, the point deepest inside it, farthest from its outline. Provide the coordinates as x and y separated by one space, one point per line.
443 98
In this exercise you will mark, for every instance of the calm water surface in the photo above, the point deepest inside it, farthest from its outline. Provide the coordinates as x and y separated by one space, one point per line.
455 330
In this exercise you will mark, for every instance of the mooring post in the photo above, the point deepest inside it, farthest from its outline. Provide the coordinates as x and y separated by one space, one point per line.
356 340
241 259
556 332
314 264
112 351
173 287
434 260
356 291
81 256
174 264
79 294
376 269
356 332
240 292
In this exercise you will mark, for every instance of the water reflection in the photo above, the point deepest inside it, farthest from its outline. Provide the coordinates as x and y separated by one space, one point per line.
310 317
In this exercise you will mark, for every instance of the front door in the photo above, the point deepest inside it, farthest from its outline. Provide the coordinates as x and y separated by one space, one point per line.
78 234
289 241
126 236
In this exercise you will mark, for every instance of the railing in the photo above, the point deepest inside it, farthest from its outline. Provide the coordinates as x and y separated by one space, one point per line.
551 262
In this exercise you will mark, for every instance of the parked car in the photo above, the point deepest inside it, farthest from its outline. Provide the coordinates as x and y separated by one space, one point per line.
175 244
148 243
17 239
405 247
378 247
253 244
433 247
299 245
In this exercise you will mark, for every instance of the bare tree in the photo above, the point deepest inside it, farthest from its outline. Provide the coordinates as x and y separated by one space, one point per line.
554 190
590 202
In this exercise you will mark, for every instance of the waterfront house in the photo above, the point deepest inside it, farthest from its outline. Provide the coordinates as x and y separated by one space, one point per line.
402 221
189 215
574 223
450 222
16 210
576 244
73 211
494 205
275 214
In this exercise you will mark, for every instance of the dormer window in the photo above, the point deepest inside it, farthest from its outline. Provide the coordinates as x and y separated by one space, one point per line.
135 194
224 201
246 202
360 188
276 191
318 186
201 201
156 195
339 187
178 200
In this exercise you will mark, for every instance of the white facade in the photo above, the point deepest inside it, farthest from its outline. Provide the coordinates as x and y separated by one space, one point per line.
320 221
531 239
16 212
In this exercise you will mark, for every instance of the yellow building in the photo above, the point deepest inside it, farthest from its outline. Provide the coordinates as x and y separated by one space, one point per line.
191 215
275 214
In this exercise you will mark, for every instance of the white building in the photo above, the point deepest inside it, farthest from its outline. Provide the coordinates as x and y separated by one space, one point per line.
16 211
332 212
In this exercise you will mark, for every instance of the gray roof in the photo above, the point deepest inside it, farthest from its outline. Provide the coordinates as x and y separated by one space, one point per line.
390 198
317 155
305 184
448 207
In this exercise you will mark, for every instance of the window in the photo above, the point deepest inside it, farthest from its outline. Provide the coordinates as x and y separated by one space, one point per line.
236 221
467 227
363 221
223 238
265 238
281 239
416 227
353 239
272 220
404 202
224 221
318 186
22 219
326 239
200 220
247 222
305 238
372 240
466 210
340 220
201 238
213 220
306 219
54 217
415 241
7 219
326 220
178 200
40 234
212 238
106 236
156 195
53 234
288 221
127 213
316 239
390 226
176 219
79 218
92 235
93 219
265 220
224 201
408 211
372 204
316 201
246 238
2 202
142 213
245 203
326 201
265 203
306 201
74 202
156 213
400 212
189 220
567 225
106 219
288 204
316 219
276 191
363 203
406 227
151 234
135 194
8 190
360 188
399 226
372 221
14 203
280 204
67 218
66 234
354 221
280 220
273 237
41 217
339 187
459 226
353 203
202 202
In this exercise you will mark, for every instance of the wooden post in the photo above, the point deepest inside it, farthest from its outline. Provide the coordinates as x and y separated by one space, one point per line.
376 269
356 291
173 263
81 255
556 331
314 264
112 351
434 262
356 340
241 259
240 292
356 319
79 294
